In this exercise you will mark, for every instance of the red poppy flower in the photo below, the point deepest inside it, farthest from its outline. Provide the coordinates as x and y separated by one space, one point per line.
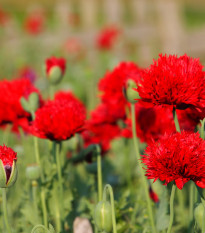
7 155
177 157
55 62
59 119
112 86
11 92
175 81
107 38
151 123
4 17
101 128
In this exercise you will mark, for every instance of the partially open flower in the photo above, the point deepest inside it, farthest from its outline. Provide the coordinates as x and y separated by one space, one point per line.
55 69
8 169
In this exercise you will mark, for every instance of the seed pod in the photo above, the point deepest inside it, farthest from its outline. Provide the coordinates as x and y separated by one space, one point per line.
103 216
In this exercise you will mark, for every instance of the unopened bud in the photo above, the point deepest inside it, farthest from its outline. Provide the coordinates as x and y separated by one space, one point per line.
130 93
103 216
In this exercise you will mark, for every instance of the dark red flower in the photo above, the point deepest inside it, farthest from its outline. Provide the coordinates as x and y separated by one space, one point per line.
59 119
7 155
10 93
175 81
151 123
112 84
177 157
107 38
55 62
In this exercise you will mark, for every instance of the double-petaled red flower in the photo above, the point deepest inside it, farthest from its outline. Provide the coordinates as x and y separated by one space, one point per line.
55 62
112 85
59 119
11 92
175 81
177 157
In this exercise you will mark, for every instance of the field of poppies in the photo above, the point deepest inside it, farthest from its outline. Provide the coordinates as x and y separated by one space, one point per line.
91 141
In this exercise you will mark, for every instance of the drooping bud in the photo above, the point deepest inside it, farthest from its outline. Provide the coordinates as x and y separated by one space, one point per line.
103 216
198 214
55 69
130 93
33 172
8 168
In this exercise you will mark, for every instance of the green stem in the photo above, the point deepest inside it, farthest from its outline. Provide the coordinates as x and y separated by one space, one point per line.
176 120
191 205
60 180
99 172
145 183
202 128
108 189
60 212
6 133
5 210
43 203
171 208
34 190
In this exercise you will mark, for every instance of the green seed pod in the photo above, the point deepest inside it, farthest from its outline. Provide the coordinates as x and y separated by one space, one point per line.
103 216
198 214
55 75
8 174
131 94
33 172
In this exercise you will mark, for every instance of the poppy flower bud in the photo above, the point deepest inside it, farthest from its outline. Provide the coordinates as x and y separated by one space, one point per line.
131 94
8 168
33 172
103 216
55 69
198 214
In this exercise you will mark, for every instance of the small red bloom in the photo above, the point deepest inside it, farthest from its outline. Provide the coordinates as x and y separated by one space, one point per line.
3 17
7 155
34 23
55 62
107 38
59 119
112 84
175 81
177 157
